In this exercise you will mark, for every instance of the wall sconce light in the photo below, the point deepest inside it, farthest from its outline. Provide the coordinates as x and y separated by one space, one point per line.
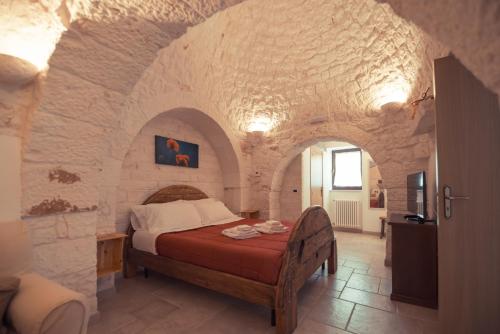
391 106
394 92
16 71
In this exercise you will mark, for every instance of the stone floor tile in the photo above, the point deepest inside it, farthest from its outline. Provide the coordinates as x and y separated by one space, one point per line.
385 287
364 282
336 284
380 271
243 318
313 327
110 321
367 320
343 273
361 271
356 265
331 311
417 312
369 299
156 309
164 305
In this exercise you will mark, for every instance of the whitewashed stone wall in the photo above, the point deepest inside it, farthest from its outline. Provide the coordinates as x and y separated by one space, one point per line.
64 250
470 28
140 176
286 60
254 73
290 203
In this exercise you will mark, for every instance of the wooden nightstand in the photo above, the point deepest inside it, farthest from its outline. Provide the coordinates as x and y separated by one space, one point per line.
250 214
110 253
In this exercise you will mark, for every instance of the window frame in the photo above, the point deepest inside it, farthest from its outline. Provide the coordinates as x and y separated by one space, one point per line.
334 169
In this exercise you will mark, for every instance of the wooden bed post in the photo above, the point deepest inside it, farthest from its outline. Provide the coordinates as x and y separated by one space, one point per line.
286 310
130 270
332 260
311 243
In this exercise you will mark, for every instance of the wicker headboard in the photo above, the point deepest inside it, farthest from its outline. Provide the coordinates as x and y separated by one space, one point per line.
174 193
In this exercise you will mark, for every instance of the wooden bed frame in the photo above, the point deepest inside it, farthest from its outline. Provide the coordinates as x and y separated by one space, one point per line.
311 243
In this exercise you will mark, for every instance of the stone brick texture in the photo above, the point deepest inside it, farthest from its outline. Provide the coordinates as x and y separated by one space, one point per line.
141 177
121 63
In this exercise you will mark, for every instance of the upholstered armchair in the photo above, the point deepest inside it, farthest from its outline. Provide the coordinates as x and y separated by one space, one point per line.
39 306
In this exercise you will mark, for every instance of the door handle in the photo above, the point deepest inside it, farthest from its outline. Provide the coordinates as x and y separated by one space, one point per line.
448 197
456 197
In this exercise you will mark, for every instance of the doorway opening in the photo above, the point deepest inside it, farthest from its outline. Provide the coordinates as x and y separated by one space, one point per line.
340 177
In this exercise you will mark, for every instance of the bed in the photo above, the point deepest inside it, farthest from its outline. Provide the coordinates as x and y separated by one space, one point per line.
285 261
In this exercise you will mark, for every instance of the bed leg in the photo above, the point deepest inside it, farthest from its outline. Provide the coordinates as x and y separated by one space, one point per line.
273 318
332 260
286 316
146 272
130 270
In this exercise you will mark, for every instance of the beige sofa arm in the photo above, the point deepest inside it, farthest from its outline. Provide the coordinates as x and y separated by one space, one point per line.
45 307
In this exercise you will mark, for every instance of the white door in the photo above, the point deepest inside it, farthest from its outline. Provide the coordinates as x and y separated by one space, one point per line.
316 176
468 156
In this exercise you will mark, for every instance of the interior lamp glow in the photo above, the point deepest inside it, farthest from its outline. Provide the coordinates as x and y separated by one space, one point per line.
260 124
396 92
34 52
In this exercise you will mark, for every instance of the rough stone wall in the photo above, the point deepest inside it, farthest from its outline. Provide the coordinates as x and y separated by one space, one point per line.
285 60
255 74
94 67
290 201
337 67
140 176
470 28
64 248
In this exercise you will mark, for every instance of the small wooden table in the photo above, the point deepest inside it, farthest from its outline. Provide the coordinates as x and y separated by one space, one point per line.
110 253
250 214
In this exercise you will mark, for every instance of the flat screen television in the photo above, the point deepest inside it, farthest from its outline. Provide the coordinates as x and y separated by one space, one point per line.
417 194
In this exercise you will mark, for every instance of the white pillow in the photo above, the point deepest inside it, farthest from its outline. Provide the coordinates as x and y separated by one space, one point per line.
138 216
204 200
212 212
168 217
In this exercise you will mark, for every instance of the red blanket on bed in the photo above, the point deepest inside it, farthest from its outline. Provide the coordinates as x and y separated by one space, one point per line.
256 258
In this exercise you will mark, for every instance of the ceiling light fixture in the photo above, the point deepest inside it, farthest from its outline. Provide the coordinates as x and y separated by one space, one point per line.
260 124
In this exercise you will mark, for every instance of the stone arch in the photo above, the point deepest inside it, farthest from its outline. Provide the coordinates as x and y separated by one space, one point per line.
279 172
213 142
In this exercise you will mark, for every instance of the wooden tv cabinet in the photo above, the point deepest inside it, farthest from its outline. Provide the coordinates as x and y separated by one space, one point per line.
414 262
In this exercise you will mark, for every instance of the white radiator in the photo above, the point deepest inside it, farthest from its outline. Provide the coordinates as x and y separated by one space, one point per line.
347 214
420 207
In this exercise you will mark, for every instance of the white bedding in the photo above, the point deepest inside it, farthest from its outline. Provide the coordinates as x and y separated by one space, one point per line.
146 241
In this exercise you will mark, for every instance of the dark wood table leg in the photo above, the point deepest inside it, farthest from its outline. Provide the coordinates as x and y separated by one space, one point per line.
382 228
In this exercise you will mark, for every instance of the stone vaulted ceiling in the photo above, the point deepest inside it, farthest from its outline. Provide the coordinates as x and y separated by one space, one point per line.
110 43
116 64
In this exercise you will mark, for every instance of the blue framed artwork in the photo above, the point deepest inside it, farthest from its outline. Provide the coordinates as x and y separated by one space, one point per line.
169 151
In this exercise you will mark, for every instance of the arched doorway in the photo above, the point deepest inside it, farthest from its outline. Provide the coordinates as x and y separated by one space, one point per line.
217 174
341 177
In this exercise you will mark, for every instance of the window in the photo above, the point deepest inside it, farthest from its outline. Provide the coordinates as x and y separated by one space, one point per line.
346 169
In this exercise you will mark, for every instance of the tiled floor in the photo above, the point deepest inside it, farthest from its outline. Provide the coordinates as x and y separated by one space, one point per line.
355 300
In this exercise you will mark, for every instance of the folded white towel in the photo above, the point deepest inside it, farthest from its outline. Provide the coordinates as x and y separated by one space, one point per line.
270 227
273 223
241 232
244 228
